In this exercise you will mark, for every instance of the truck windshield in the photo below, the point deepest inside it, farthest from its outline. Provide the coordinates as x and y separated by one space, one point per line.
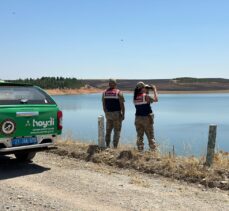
23 95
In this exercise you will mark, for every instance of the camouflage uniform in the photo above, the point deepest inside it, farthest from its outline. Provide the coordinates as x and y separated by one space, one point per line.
144 124
144 120
113 121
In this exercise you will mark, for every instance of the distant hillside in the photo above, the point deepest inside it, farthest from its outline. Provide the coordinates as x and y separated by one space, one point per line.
53 82
176 84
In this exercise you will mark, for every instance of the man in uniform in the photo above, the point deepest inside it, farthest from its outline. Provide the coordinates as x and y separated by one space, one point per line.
144 118
113 106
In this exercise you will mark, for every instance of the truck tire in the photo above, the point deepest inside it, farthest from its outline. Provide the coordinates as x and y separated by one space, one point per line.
25 156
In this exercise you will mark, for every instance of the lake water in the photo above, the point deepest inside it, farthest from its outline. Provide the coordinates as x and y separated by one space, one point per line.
181 120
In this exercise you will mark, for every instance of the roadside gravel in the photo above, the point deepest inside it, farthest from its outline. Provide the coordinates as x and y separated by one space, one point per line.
53 182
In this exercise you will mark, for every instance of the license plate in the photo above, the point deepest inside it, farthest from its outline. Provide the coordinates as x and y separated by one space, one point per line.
24 141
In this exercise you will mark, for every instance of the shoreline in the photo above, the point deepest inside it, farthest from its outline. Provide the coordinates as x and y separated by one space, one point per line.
96 91
188 169
63 182
195 92
79 91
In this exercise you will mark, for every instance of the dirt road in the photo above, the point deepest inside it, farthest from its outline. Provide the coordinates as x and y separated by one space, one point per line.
52 182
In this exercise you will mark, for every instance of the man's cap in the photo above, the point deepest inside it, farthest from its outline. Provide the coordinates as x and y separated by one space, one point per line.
140 85
147 86
112 80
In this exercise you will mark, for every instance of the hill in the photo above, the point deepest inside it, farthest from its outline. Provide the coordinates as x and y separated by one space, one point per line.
176 84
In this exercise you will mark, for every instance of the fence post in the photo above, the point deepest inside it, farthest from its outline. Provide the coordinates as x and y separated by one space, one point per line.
173 151
101 141
211 145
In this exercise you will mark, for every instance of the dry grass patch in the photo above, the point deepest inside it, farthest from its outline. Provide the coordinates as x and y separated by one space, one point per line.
190 169
139 181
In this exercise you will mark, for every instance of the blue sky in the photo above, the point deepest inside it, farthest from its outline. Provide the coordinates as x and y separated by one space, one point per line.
114 38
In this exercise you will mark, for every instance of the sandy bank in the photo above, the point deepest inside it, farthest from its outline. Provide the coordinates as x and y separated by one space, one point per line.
95 90
73 91
53 182
189 169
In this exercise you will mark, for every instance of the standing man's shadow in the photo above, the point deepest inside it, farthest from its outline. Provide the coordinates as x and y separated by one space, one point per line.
10 168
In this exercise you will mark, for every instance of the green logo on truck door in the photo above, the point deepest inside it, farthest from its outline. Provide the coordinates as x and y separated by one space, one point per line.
43 124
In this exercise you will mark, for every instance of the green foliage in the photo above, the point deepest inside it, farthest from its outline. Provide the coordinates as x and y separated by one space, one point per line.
53 82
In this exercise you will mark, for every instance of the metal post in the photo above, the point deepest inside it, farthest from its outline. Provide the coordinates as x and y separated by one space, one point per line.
101 141
211 145
173 151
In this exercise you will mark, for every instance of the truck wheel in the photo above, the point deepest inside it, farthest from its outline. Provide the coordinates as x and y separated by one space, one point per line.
25 156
